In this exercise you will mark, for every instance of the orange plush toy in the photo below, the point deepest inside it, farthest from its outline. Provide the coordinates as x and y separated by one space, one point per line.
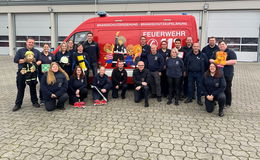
221 58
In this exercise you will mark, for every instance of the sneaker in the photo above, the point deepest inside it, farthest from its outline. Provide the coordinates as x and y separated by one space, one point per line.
16 107
42 102
176 103
123 97
36 105
103 102
97 103
221 114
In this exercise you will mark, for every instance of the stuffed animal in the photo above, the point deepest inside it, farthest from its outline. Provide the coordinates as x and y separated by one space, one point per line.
221 58
29 68
109 49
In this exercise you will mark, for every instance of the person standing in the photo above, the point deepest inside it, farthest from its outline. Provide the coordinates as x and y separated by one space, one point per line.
21 78
46 58
213 87
119 78
92 49
141 78
165 52
77 86
146 50
196 63
71 46
211 48
155 65
188 48
54 87
174 72
64 58
230 59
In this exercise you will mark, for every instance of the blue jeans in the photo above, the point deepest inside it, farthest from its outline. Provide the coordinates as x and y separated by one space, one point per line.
192 78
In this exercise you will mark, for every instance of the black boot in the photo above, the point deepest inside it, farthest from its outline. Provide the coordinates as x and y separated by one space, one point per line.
176 102
146 104
16 107
221 113
169 101
159 99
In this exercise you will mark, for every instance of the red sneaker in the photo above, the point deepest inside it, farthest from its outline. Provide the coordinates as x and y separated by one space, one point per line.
103 102
97 103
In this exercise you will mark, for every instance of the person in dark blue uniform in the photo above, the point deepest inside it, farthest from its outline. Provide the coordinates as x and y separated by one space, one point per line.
103 83
155 63
174 72
213 88
92 49
119 79
196 63
21 78
81 58
228 68
71 47
64 58
77 86
211 48
54 87
165 52
146 50
46 58
141 78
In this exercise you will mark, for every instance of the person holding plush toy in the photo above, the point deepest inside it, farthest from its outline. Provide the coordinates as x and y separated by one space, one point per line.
226 59
27 59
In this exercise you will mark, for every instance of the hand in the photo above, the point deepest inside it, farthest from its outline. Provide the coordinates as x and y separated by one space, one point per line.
184 74
77 92
138 88
210 97
211 60
117 87
144 83
160 73
53 96
103 90
39 63
21 61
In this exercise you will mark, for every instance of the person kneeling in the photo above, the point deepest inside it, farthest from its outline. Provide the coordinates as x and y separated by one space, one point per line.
103 85
54 87
213 86
77 86
141 77
119 78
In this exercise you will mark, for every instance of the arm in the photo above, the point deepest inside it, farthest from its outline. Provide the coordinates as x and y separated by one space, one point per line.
84 84
70 84
114 78
161 63
108 84
221 87
44 86
18 56
125 77
63 89
136 81
98 51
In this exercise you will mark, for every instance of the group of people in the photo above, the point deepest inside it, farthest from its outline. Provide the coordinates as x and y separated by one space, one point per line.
179 73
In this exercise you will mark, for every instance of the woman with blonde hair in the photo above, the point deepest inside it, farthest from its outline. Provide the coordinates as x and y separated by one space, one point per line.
54 87
64 58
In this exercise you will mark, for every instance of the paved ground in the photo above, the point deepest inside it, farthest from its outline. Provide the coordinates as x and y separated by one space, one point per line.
125 130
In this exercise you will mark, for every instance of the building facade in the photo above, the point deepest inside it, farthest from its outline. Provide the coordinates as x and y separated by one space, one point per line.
237 22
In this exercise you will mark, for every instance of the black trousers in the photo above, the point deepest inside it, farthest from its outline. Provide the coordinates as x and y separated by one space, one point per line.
142 93
174 87
228 89
185 86
97 96
164 84
221 98
83 93
20 84
52 104
115 91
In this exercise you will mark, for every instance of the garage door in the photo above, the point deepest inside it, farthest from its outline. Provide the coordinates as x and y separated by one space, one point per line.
4 44
239 28
67 22
32 25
